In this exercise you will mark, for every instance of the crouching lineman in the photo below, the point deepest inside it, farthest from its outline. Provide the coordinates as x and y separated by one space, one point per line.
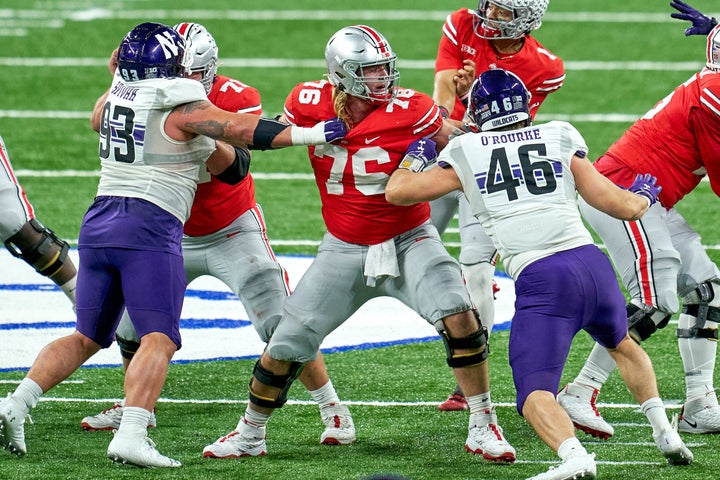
661 257
371 248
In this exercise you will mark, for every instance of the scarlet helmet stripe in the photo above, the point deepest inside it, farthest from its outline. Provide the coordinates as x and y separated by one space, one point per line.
379 41
643 262
183 28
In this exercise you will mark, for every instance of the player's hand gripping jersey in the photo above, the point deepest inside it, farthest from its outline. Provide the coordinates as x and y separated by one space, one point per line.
218 204
540 70
678 141
351 174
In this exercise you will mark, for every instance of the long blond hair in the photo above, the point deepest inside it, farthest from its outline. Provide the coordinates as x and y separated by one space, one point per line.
340 100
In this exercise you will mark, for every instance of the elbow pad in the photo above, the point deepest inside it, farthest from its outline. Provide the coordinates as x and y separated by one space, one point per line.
239 169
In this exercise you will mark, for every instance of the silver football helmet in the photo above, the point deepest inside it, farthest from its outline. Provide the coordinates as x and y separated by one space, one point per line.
350 52
201 52
713 49
526 17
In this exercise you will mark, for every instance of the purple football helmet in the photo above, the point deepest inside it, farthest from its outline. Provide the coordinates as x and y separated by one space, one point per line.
498 98
151 50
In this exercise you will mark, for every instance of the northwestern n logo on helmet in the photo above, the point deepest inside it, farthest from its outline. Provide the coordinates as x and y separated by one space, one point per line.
167 42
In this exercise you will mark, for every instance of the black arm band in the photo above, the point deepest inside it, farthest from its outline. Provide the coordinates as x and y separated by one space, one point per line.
265 133
236 172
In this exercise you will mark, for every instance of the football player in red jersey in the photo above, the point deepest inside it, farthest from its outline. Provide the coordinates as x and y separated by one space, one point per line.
371 248
495 35
28 239
225 237
660 256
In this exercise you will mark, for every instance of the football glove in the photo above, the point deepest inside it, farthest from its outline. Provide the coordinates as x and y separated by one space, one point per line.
420 155
701 23
323 132
645 186
334 129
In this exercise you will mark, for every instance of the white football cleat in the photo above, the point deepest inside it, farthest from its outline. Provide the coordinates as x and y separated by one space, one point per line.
578 400
485 437
12 426
700 415
109 419
246 441
577 466
139 451
673 449
339 426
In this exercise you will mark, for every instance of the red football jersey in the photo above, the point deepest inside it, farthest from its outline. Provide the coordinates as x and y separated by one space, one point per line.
540 70
218 204
352 173
678 141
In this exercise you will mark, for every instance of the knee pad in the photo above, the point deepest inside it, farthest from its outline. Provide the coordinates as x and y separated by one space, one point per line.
46 255
703 304
644 321
478 339
283 382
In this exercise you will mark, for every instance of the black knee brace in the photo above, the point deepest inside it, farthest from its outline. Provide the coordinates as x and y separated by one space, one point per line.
266 377
703 312
47 256
477 339
642 323
128 348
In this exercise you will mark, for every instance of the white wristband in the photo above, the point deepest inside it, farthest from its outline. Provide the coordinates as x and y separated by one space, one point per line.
308 136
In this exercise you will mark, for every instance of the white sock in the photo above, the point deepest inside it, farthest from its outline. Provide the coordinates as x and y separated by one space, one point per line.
698 356
28 393
480 403
570 448
253 418
134 421
654 410
598 367
325 394
68 289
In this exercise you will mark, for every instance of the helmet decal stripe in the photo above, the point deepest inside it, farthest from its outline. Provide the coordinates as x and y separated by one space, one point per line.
379 41
183 28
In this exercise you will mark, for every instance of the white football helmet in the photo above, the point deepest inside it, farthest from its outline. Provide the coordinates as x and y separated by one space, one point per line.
353 49
526 17
201 52
713 49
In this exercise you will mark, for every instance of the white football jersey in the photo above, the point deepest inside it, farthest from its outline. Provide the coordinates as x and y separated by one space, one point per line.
137 158
520 187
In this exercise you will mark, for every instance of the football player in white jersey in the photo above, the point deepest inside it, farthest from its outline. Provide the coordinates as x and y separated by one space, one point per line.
521 183
226 237
156 130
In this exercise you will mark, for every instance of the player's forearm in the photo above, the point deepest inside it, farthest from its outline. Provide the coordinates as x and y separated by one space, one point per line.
444 90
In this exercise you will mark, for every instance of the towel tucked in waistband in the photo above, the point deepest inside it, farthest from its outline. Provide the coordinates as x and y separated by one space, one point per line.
381 261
